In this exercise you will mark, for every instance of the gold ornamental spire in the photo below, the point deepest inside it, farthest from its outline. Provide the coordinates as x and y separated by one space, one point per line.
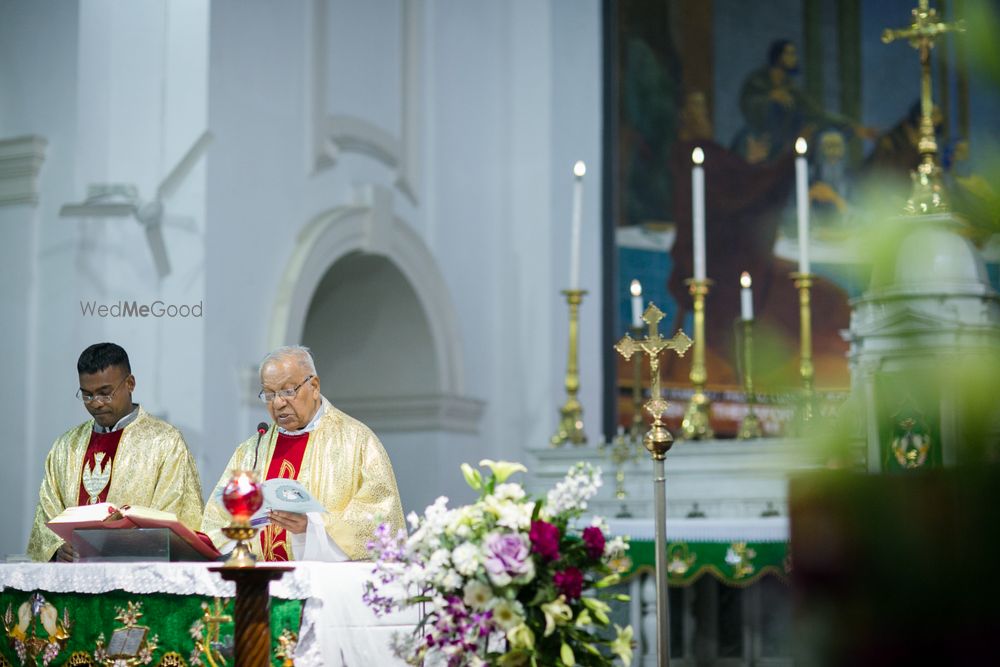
927 195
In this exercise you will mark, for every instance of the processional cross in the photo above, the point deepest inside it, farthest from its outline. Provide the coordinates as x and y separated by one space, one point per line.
658 440
927 196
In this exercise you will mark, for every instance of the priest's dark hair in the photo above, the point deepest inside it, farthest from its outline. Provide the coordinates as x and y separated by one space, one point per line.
99 356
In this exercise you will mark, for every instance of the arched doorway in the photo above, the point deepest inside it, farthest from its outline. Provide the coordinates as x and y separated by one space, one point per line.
369 335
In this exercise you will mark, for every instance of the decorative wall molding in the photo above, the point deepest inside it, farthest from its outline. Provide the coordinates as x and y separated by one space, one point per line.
397 148
371 227
432 412
21 161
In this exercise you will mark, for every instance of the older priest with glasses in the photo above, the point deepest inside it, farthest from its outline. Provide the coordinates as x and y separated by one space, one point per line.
335 457
123 455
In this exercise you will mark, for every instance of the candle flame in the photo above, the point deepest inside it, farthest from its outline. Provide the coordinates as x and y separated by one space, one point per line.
635 288
745 279
698 155
579 169
801 146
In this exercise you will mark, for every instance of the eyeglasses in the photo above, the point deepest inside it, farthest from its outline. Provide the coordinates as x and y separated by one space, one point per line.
87 397
287 394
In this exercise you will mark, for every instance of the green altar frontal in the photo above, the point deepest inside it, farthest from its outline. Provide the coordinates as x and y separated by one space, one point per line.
119 629
737 552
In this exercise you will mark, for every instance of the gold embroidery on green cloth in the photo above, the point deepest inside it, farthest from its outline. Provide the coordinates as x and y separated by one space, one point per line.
285 652
739 557
80 659
679 559
208 646
129 645
172 659
38 630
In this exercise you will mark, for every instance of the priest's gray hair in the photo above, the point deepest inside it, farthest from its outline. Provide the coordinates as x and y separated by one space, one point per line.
298 353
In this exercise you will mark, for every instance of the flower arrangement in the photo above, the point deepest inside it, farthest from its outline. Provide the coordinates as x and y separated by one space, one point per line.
507 581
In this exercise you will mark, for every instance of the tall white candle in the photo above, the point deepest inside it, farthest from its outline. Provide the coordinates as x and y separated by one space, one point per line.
636 289
746 297
579 169
802 202
698 211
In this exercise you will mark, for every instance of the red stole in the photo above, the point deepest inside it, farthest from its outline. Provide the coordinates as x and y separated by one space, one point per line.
285 463
103 446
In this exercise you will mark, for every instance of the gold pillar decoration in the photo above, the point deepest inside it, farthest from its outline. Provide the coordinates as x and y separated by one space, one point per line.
571 413
928 195
750 425
696 424
657 440
803 281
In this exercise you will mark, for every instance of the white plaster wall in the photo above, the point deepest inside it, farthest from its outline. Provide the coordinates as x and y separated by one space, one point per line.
490 206
500 100
37 76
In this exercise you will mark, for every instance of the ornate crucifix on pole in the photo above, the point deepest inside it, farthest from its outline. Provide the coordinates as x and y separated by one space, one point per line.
657 440
927 196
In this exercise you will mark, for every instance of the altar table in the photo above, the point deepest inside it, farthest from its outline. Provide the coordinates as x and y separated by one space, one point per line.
737 552
321 602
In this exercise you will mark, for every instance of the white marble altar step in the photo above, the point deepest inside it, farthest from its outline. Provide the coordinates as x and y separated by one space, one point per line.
725 478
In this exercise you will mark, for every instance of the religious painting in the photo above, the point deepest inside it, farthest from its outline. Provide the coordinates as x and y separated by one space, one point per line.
741 84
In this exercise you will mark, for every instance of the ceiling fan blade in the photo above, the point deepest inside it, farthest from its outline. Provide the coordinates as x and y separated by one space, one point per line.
154 236
96 210
180 171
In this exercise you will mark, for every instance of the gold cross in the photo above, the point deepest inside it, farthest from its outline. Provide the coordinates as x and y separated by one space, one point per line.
927 195
658 438
213 617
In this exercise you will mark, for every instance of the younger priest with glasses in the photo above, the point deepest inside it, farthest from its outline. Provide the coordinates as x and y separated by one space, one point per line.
123 456
335 457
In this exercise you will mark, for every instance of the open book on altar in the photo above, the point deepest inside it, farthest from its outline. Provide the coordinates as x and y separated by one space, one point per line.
108 532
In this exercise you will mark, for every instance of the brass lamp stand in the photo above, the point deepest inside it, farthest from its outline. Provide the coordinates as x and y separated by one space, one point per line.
571 413
750 425
803 281
696 424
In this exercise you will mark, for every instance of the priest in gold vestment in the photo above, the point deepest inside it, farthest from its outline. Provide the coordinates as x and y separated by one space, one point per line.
123 456
337 459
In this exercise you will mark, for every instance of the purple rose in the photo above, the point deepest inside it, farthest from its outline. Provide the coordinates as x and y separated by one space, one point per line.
569 582
594 539
544 539
507 556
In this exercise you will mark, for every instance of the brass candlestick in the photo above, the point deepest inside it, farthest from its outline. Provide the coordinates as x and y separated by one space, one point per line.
635 432
571 413
696 424
658 441
750 425
620 451
803 281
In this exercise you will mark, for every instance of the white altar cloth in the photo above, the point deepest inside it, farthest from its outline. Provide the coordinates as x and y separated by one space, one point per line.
337 630
749 529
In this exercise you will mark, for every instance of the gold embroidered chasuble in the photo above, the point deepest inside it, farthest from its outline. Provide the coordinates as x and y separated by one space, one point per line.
152 468
344 467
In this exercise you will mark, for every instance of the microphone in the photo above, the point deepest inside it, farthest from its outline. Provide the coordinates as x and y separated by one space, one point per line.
261 430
